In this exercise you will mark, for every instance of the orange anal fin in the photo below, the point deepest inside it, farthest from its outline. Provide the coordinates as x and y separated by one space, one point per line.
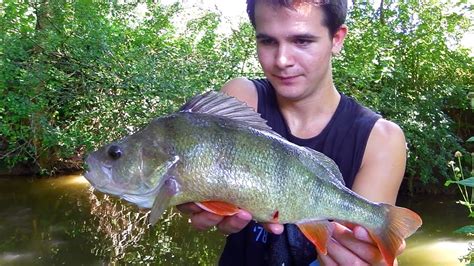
318 232
402 223
219 207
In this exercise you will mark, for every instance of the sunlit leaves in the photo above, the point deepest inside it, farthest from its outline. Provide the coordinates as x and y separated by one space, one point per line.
410 68
94 72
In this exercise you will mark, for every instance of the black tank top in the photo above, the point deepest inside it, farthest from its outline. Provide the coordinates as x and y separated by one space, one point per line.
343 139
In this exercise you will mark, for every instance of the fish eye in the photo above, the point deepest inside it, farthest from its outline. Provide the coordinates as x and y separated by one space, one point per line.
115 152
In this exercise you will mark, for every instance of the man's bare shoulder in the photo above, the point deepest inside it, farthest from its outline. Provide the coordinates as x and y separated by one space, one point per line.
387 129
386 137
242 89
383 164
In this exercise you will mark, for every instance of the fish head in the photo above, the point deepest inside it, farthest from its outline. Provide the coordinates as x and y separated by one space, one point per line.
132 168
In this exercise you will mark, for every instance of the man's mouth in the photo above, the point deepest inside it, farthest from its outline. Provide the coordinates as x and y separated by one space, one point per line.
286 78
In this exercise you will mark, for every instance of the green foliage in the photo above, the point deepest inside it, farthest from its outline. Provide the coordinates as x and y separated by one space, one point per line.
78 74
469 182
402 60
462 183
468 229
466 188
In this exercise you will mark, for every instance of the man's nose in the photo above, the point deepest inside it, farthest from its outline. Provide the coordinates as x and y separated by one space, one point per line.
284 57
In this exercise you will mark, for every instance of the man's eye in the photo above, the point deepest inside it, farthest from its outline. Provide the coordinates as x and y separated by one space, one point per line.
266 41
303 42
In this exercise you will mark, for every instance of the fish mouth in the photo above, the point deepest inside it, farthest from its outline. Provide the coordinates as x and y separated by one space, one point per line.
99 175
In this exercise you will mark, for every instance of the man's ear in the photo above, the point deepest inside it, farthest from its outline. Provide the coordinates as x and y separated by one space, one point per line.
338 39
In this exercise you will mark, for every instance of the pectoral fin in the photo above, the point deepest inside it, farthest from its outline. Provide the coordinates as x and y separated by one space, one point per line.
219 207
163 198
318 232
167 188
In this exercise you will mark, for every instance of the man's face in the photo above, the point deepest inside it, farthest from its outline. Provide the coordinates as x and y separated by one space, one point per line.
294 48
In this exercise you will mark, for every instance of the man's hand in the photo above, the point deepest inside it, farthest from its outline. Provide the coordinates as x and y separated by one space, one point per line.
353 247
203 220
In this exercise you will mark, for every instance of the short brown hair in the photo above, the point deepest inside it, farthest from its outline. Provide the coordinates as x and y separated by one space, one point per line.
335 11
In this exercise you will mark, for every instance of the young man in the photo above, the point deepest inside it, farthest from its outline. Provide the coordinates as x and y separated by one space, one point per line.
295 44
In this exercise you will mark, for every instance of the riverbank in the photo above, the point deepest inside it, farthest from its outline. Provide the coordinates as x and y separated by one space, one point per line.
28 170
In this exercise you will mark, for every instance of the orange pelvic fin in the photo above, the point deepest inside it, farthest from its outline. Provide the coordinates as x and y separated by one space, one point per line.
400 224
219 207
318 232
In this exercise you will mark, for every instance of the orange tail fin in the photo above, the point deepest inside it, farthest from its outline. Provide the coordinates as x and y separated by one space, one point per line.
400 224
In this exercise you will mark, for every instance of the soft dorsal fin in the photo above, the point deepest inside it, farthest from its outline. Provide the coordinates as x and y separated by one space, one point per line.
220 104
324 165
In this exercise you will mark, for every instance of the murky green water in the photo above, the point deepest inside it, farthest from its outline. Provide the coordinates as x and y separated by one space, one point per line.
60 222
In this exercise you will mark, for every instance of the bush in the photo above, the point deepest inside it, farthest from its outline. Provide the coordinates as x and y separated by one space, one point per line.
81 74
398 60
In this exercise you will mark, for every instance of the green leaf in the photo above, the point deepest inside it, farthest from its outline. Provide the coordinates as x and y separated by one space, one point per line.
469 182
471 139
467 204
465 229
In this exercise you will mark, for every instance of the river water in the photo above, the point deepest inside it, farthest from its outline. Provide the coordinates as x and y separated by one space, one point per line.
60 221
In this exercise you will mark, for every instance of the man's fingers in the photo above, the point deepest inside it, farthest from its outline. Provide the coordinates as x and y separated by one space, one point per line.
273 228
204 220
189 208
326 260
402 247
362 234
341 255
234 223
363 248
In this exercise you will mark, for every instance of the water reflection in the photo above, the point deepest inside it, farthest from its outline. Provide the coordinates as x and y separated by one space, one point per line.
127 238
444 252
35 222
119 225
75 180
60 221
435 243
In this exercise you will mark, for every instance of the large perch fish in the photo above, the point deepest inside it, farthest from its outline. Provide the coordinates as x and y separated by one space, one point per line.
218 152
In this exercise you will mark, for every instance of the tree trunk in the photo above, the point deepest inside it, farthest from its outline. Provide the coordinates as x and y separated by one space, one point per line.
381 12
44 156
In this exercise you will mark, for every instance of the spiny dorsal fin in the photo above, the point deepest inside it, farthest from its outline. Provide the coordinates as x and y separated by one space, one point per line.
324 165
220 104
